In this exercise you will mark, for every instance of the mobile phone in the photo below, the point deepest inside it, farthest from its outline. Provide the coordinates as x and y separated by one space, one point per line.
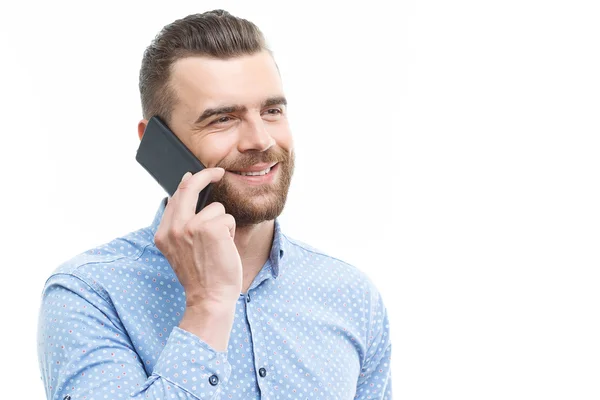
167 159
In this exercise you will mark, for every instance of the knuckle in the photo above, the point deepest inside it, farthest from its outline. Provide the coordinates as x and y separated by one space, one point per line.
186 184
190 229
221 207
218 207
210 228
195 228
161 242
183 186
174 232
158 239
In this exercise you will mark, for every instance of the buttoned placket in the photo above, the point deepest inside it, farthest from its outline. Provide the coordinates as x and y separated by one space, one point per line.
256 329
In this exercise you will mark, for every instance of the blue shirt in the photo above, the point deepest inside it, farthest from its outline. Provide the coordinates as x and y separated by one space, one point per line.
309 327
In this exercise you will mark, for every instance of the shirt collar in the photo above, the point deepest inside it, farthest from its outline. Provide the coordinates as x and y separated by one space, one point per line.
277 249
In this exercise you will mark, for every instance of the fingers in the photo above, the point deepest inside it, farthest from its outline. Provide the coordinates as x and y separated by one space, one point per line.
186 196
209 212
180 216
212 218
181 207
226 220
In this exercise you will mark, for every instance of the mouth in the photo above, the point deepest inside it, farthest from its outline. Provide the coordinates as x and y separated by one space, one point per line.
254 173
257 170
255 176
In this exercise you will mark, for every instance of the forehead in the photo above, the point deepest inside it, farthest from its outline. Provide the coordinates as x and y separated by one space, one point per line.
202 82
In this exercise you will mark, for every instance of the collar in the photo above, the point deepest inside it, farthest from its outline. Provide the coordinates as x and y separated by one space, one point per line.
277 249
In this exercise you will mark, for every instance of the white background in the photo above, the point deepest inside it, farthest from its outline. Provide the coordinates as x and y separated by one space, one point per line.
450 149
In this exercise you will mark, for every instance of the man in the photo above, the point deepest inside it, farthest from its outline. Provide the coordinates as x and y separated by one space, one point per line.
219 304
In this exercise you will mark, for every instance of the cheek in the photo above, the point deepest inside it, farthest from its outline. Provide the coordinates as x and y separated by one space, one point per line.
283 137
213 149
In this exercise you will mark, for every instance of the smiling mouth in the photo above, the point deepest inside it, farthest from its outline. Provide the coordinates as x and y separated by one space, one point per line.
255 173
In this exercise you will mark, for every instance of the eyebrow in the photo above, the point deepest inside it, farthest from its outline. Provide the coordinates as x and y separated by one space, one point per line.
210 112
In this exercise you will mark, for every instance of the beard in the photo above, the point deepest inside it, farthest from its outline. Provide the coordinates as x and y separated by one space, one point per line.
251 205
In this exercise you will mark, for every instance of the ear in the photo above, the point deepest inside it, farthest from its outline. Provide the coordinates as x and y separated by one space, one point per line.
142 127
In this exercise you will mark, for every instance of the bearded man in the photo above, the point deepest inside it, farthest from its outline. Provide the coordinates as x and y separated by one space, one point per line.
218 304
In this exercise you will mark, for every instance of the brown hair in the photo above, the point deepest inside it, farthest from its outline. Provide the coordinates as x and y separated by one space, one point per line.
216 34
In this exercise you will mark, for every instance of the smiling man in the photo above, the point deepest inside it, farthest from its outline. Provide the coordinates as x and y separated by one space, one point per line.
220 304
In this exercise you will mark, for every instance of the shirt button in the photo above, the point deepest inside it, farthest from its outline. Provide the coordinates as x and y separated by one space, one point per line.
262 372
248 298
67 397
213 380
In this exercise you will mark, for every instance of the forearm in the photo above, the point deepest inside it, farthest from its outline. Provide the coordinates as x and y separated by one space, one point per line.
101 359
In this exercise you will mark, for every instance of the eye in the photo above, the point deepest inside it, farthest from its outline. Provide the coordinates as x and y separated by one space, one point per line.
222 120
272 114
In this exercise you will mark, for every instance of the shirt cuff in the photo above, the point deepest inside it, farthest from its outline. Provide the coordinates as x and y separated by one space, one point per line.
192 364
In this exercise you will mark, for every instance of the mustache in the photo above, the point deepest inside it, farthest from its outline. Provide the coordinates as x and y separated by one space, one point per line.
251 158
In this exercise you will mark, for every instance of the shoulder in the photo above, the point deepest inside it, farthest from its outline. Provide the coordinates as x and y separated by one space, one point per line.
327 266
335 278
104 262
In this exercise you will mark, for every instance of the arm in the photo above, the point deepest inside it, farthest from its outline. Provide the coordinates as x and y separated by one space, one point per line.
375 380
85 353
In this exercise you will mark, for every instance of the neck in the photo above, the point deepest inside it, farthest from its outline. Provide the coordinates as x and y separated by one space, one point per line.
254 244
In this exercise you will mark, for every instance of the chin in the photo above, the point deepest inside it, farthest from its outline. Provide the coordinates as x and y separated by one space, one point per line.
251 203
259 208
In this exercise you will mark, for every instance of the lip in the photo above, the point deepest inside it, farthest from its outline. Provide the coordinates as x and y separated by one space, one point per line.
257 167
258 179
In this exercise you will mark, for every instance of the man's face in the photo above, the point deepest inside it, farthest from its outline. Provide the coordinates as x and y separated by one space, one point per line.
232 114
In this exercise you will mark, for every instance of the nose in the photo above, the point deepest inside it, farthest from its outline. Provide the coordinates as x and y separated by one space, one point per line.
255 136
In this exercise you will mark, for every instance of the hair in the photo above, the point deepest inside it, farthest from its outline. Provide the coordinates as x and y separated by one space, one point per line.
215 34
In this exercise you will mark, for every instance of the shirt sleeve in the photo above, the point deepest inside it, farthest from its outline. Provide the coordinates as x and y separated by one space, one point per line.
375 381
84 352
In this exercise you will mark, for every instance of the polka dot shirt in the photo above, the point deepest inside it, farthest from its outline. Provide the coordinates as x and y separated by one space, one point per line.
309 327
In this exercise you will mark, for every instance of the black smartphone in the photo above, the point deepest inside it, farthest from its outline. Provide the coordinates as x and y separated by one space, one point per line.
167 159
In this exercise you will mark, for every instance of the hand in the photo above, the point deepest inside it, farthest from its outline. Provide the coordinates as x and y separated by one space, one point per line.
200 247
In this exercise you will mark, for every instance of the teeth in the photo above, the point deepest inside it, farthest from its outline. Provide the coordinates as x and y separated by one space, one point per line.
264 172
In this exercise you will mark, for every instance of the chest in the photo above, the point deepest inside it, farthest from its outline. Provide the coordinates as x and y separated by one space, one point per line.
305 345
296 350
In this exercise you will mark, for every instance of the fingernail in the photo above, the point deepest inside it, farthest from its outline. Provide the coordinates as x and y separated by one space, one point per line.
186 176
